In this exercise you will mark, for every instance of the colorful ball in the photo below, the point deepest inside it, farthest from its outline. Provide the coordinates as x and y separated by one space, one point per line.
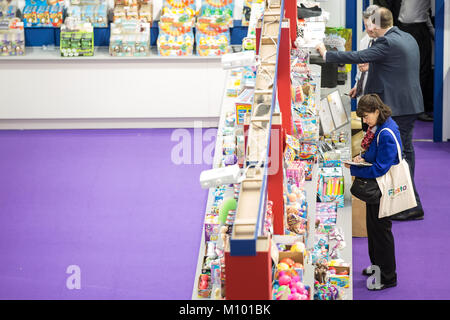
284 280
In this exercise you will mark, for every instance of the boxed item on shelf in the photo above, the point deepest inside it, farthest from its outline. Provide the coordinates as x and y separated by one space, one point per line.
244 104
212 41
235 84
8 10
77 39
331 186
40 13
216 13
12 38
175 41
96 14
130 38
178 12
142 12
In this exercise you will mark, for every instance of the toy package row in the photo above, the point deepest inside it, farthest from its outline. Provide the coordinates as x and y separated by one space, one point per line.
95 14
8 10
141 12
212 41
77 39
130 38
43 15
175 41
217 12
12 41
179 12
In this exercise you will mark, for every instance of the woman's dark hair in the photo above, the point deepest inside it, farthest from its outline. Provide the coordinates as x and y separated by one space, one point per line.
369 104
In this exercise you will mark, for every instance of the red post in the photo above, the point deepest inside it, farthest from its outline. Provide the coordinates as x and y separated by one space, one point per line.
258 38
249 277
275 178
290 12
284 79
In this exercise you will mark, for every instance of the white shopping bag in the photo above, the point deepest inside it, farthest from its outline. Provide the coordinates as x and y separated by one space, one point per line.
397 192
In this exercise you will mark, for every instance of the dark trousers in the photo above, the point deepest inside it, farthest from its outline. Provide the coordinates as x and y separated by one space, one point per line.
381 243
422 35
406 127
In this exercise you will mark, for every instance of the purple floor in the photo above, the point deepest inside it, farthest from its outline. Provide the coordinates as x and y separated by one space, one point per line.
113 203
109 201
422 251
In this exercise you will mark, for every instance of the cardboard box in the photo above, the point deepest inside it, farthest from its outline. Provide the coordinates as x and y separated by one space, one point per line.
340 280
244 105
359 228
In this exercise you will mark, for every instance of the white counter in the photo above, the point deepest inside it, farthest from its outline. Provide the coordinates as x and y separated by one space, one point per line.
43 90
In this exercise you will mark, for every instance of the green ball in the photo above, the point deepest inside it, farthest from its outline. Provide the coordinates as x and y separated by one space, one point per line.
227 205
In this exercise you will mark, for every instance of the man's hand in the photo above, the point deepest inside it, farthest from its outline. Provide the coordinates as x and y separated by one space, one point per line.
352 93
358 159
321 48
363 67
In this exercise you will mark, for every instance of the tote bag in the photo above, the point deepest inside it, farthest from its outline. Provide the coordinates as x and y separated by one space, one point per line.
397 193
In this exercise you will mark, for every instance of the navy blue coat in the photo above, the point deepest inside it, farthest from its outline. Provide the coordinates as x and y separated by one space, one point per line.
394 70
383 155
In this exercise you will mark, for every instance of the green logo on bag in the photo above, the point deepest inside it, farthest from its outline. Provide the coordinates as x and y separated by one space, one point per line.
396 191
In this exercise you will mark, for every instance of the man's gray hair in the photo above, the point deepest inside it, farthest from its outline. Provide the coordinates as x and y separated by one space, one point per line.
370 11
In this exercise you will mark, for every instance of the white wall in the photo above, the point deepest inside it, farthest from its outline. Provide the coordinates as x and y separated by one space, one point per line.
337 12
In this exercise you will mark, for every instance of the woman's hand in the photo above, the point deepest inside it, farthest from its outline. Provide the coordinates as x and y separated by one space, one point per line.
347 165
358 159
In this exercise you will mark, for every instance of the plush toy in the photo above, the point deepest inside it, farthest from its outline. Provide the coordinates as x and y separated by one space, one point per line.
227 205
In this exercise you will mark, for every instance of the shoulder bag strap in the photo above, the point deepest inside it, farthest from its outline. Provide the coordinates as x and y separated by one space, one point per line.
399 150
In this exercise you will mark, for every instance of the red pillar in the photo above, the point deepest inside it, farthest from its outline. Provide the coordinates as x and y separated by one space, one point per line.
284 79
249 277
290 12
275 178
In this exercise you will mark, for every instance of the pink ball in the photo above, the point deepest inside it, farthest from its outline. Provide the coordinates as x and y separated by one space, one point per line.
303 297
293 290
294 296
296 278
300 287
284 280
281 273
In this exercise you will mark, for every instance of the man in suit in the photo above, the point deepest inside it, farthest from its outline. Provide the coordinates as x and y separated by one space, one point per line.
394 64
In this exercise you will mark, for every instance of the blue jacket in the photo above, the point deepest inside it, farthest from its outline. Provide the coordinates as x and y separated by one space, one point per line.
394 71
383 155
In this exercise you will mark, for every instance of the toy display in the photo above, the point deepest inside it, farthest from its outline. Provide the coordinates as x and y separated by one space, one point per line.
216 13
178 12
43 13
77 39
8 10
212 41
130 38
175 41
331 186
212 28
12 38
91 11
141 10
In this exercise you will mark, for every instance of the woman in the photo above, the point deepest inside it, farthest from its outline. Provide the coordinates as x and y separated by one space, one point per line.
382 156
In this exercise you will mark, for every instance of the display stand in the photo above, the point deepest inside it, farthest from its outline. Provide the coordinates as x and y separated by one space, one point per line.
248 254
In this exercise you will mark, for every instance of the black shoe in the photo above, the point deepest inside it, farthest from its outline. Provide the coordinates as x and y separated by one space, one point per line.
408 215
425 117
384 286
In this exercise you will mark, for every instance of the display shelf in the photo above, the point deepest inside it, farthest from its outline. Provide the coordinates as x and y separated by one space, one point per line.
39 36
227 105
100 53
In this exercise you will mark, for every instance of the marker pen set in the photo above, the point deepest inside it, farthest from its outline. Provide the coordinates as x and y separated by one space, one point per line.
333 186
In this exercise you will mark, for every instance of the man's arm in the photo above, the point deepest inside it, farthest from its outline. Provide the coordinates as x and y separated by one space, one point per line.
377 52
